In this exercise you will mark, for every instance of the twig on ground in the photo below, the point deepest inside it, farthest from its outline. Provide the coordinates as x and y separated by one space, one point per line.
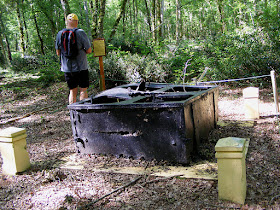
220 207
271 201
160 179
24 116
116 190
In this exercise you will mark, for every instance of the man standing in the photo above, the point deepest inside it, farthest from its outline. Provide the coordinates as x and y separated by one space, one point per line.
75 69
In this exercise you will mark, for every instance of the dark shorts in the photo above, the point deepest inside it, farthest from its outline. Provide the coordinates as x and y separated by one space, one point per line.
76 79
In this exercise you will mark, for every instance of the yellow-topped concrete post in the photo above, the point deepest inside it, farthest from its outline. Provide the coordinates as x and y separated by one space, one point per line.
13 150
251 102
230 154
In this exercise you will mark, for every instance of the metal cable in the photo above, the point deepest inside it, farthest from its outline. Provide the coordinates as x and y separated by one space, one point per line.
231 80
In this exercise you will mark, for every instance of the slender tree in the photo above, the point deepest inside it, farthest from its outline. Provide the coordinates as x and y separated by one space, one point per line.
6 39
154 20
159 20
25 25
221 14
121 13
178 20
100 21
45 9
65 7
94 18
87 18
124 22
22 46
3 49
148 15
38 31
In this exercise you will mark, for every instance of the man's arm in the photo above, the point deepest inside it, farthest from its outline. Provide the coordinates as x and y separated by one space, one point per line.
89 50
58 52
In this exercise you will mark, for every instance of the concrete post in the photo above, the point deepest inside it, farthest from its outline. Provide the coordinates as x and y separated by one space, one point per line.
230 154
251 102
13 150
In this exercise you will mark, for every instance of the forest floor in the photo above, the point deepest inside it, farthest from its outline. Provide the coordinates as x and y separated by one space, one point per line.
46 185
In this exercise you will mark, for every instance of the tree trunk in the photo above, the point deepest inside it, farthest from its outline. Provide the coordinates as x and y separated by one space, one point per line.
220 9
38 32
25 26
81 19
158 20
133 17
65 7
130 19
122 10
178 20
124 21
87 19
154 20
49 17
8 48
22 48
148 15
3 49
5 38
162 25
101 19
94 18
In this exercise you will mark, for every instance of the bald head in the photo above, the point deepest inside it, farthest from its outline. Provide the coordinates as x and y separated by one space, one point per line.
71 21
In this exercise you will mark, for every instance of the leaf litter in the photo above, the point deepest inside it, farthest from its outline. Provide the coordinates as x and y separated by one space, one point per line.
46 185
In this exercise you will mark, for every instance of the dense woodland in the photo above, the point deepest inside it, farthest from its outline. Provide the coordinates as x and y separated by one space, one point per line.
152 39
170 41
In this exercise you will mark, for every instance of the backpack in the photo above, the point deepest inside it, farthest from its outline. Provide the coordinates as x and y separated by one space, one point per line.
69 47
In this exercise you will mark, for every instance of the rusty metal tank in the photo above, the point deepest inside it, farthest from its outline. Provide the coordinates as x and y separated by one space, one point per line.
156 121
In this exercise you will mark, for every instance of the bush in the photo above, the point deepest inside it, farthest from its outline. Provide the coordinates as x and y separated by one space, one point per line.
134 44
27 64
49 70
227 56
124 67
46 67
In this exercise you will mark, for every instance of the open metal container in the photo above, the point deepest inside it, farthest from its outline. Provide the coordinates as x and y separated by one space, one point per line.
162 121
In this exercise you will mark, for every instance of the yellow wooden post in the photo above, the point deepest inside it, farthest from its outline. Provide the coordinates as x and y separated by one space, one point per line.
13 150
231 154
99 51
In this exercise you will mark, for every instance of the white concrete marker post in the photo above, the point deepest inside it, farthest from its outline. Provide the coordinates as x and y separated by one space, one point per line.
251 103
275 92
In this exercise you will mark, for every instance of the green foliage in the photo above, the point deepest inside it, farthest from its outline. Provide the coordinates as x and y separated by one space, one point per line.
243 55
133 45
24 63
49 71
46 69
123 67
237 55
240 40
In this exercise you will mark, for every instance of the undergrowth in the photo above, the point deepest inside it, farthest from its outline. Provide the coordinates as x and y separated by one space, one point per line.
226 56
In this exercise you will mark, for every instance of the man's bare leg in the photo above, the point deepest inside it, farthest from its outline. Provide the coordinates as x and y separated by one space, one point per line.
83 93
73 95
